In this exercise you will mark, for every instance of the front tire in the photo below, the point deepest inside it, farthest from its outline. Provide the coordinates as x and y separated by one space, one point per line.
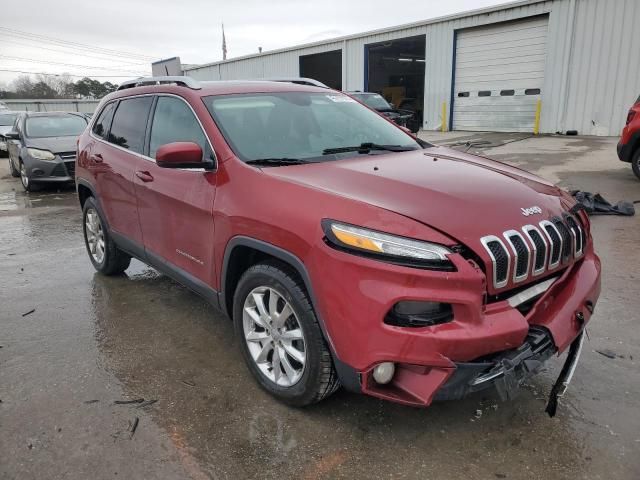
25 179
105 256
635 163
280 337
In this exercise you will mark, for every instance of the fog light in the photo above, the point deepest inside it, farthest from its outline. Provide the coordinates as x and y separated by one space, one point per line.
410 313
37 172
383 373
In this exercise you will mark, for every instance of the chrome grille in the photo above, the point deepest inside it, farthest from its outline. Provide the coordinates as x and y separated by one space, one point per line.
555 240
500 259
566 239
539 248
542 248
521 251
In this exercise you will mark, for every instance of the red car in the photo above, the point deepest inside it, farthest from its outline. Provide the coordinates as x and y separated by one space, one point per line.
346 251
629 144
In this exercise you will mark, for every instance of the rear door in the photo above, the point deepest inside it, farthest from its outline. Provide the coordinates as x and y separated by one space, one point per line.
114 162
175 205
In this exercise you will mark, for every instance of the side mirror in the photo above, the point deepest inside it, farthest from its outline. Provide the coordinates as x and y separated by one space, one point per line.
181 155
13 135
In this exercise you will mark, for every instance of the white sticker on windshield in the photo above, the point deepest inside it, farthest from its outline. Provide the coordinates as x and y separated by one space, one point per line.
341 99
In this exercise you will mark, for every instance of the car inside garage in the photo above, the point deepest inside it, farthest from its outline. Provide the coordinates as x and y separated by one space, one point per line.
396 70
499 74
325 67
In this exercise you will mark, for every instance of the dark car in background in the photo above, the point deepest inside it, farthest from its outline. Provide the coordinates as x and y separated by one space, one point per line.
7 119
629 144
404 118
42 147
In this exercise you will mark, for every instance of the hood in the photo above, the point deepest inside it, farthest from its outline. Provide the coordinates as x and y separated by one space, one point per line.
53 144
464 196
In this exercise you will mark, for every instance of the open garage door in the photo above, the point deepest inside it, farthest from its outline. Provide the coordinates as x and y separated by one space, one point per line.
325 67
395 69
499 75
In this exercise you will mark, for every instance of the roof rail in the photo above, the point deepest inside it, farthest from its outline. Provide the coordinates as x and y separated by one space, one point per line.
299 81
177 80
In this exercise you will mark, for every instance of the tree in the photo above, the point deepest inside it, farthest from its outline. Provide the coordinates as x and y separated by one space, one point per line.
23 86
42 90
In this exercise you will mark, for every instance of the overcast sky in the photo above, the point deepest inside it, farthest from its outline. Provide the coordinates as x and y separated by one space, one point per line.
146 30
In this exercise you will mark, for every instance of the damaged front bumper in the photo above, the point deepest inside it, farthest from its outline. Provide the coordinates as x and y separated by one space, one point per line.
506 371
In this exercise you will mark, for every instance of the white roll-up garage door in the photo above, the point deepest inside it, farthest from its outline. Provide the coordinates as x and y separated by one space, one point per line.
499 74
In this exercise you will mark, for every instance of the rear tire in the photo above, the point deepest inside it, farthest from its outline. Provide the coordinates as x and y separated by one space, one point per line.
105 256
298 372
635 163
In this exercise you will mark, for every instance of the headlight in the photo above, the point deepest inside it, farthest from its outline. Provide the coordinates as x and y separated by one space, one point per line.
40 154
399 250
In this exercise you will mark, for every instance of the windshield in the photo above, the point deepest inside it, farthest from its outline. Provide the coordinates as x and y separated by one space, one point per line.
373 100
7 120
55 126
301 125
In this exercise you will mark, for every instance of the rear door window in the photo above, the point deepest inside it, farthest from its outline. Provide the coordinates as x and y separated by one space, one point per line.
101 127
130 122
174 121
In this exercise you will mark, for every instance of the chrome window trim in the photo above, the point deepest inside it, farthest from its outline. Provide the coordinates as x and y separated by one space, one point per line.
515 233
149 159
492 238
526 229
542 224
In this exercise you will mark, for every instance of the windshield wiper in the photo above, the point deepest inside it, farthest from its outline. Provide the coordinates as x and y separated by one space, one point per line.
275 161
366 148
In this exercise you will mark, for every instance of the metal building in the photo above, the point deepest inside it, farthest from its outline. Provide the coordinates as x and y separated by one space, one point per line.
571 64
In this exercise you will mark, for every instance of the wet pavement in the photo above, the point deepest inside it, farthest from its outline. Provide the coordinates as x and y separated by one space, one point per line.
94 340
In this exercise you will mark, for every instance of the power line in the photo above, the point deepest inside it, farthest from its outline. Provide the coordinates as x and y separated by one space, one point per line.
64 74
33 60
75 53
84 46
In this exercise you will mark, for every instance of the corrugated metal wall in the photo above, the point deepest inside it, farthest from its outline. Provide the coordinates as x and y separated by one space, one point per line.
82 106
592 72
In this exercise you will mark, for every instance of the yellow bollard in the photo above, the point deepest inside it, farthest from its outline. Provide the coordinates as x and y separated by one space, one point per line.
536 123
444 116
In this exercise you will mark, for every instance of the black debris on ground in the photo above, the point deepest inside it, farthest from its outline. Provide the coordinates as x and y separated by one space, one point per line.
128 402
148 403
595 204
29 312
134 426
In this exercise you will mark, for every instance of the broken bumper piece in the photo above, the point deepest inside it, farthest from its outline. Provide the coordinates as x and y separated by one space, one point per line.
506 371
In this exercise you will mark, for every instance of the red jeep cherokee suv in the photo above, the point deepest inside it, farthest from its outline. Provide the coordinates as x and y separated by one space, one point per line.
629 144
346 251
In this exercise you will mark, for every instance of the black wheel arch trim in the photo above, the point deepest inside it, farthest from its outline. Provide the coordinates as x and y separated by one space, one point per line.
349 377
626 151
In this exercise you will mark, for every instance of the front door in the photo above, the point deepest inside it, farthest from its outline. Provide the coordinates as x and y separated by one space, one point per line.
175 205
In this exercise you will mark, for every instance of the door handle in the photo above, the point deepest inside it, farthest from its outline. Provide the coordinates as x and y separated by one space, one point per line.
144 176
96 158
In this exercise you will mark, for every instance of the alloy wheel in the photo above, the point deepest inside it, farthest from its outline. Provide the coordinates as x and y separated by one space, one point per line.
274 337
95 235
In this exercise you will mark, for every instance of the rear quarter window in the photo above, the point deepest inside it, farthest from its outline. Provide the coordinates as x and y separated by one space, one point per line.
130 122
103 122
